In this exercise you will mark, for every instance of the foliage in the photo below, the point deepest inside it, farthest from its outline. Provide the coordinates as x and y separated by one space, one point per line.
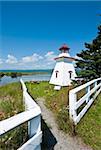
17 73
57 101
89 64
11 103
1 74
10 100
89 127
15 138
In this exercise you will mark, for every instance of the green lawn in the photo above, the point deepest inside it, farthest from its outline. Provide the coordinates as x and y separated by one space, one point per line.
89 128
56 101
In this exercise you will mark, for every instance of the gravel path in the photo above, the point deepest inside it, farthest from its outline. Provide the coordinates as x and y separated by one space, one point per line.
55 139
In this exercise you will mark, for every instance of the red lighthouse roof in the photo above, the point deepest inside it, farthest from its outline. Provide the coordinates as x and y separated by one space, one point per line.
64 47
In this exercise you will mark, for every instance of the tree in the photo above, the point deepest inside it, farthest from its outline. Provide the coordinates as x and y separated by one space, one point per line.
1 74
89 64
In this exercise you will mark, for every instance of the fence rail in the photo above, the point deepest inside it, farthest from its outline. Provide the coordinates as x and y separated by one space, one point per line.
32 115
93 88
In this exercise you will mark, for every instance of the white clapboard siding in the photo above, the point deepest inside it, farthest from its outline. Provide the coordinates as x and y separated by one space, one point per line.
74 104
32 115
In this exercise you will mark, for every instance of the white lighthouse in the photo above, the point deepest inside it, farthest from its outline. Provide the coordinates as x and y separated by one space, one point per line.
64 71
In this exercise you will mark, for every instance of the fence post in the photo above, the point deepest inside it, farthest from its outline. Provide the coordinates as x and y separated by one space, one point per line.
72 101
95 84
87 90
89 97
34 126
72 111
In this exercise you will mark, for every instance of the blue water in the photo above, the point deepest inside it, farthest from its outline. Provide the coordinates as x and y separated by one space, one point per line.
24 71
36 77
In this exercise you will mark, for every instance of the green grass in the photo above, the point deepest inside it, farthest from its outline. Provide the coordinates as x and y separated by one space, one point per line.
56 101
89 128
11 103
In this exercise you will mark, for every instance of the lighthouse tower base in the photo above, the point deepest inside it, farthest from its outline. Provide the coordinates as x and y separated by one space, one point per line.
63 74
57 87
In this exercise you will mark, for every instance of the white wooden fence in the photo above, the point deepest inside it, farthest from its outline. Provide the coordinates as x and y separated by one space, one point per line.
32 115
93 88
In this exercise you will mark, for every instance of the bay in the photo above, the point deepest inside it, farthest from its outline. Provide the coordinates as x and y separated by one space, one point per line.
35 77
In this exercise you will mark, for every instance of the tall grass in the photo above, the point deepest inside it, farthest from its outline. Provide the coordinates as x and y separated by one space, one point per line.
11 103
89 128
10 100
56 101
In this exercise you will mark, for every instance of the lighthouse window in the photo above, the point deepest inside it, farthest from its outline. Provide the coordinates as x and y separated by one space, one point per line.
56 73
70 74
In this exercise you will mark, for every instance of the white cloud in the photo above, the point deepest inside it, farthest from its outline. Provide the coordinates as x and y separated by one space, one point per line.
11 59
50 56
37 61
1 61
34 61
33 58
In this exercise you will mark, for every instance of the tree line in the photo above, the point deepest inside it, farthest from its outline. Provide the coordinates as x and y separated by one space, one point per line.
89 62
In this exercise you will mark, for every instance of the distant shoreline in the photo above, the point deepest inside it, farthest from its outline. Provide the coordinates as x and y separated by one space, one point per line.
9 76
26 70
17 73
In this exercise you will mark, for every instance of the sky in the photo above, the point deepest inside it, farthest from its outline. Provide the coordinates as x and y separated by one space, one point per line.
31 32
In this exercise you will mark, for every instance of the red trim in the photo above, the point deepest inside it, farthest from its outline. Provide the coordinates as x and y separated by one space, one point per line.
64 47
71 58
